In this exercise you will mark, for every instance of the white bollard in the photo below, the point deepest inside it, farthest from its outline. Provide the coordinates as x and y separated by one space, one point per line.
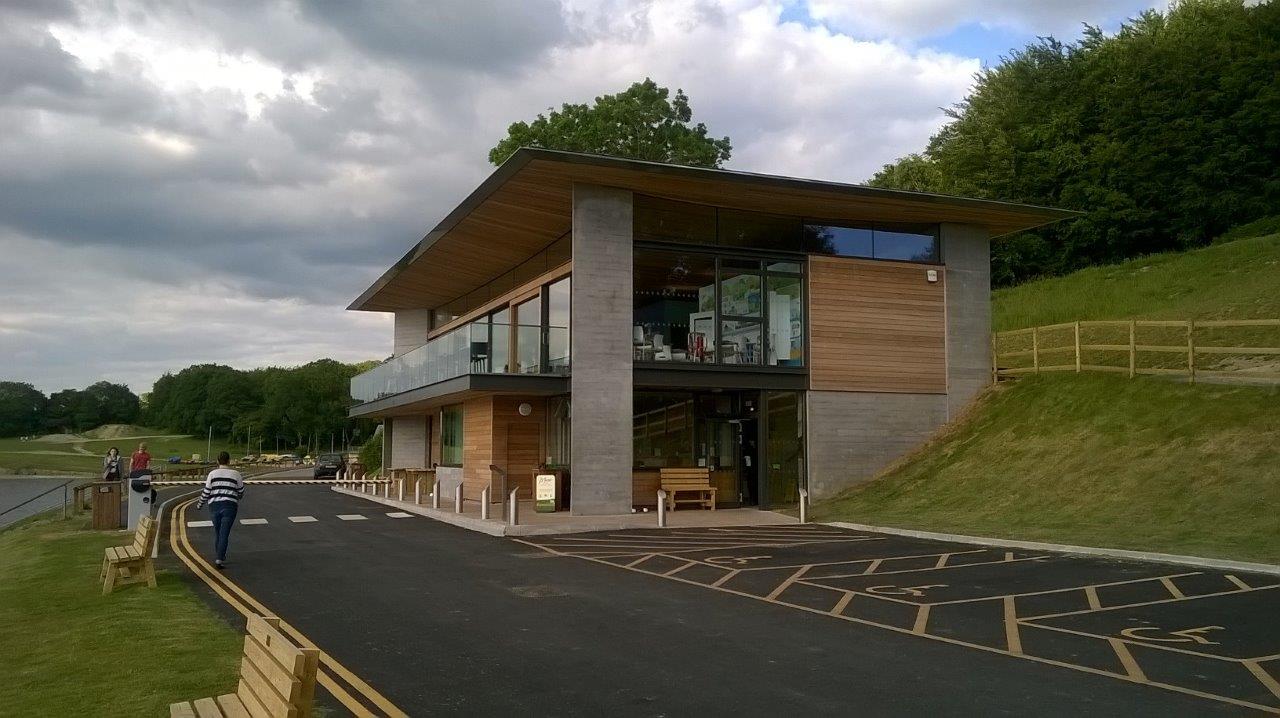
386 489
484 504
435 494
513 508
417 492
662 509
400 490
804 506
457 499
338 478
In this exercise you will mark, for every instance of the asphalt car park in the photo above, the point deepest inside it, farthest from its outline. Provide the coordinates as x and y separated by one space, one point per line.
809 619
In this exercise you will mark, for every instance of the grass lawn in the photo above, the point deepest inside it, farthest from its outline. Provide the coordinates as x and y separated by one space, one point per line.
1233 280
1097 460
65 649
27 457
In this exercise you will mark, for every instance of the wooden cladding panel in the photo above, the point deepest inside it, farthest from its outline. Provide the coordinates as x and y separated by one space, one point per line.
520 440
876 326
477 446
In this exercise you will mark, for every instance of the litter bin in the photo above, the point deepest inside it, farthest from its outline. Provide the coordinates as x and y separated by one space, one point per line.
141 497
106 505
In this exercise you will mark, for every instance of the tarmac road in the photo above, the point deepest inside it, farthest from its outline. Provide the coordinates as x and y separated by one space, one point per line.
440 620
17 490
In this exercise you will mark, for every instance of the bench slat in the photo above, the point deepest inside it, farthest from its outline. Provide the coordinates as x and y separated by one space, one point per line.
256 657
267 633
272 705
181 710
232 706
207 708
251 702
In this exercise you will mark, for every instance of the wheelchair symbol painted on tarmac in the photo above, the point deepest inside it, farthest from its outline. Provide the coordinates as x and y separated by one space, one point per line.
916 591
1186 635
734 560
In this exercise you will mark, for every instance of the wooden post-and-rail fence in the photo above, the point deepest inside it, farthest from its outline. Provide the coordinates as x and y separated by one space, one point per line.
1103 346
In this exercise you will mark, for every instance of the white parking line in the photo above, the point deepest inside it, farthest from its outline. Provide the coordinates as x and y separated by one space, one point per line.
302 519
351 517
399 515
252 522
199 524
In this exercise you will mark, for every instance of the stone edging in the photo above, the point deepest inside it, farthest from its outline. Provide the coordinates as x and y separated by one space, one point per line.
1219 564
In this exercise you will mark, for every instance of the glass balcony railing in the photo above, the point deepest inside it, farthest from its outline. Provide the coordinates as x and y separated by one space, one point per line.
465 350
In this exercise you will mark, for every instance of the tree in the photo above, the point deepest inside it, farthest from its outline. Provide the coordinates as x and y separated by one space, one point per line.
22 409
1165 134
639 123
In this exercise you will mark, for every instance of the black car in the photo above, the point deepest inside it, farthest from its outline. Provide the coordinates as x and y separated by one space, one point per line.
328 466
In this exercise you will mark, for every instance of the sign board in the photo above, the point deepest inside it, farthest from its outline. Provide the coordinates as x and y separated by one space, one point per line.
544 493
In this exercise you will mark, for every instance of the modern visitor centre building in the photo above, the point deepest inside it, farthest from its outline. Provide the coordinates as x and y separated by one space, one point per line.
603 319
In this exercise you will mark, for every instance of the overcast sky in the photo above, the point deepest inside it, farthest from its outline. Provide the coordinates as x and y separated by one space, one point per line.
187 182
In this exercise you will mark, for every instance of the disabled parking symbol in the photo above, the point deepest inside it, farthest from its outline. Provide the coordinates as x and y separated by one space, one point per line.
915 591
1186 635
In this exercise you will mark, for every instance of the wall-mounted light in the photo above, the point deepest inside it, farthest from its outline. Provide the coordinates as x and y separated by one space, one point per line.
525 409
931 275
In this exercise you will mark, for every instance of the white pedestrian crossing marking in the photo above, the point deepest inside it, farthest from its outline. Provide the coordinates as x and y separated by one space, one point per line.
351 517
252 522
302 519
399 515
199 524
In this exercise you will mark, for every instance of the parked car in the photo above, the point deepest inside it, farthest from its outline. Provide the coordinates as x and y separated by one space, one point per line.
328 466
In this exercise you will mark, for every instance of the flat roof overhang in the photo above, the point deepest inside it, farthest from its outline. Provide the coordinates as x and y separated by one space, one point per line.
527 203
458 389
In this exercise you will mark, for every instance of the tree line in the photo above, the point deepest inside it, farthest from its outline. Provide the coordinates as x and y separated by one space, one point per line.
290 408
1165 134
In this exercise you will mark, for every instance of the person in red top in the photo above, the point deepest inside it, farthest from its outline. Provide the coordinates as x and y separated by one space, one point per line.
141 460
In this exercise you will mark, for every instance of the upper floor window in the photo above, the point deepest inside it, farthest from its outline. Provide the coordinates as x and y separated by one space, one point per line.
903 242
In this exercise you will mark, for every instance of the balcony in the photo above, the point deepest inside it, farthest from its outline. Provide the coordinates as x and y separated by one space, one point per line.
466 351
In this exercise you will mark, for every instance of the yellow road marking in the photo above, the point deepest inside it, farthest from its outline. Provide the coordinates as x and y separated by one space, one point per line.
1173 590
838 610
942 560
944 639
1241 584
1091 595
922 620
1146 603
1263 677
1126 659
786 584
932 568
1143 643
678 569
640 560
1008 555
1011 626
871 568
720 581
210 574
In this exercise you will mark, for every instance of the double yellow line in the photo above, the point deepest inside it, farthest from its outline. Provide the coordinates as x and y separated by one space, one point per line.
373 704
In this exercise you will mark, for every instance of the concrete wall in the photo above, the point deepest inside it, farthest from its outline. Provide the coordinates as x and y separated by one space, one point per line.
853 435
408 446
966 250
411 327
601 380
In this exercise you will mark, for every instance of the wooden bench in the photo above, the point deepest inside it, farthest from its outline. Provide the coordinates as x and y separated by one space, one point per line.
686 481
123 565
277 679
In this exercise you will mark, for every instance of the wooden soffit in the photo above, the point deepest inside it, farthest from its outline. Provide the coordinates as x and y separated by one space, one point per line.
527 203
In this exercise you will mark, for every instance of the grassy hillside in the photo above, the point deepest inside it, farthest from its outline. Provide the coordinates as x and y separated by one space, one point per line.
1233 280
1096 460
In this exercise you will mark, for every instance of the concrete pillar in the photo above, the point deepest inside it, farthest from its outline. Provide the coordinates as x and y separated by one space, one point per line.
411 327
966 251
600 345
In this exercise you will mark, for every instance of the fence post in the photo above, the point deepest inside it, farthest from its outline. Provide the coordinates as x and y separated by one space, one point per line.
662 509
484 503
1133 348
64 501
1191 350
1077 347
1035 348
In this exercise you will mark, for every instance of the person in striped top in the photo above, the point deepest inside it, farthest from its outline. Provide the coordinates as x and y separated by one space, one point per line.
223 489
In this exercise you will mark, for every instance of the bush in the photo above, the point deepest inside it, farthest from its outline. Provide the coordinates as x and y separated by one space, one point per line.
371 452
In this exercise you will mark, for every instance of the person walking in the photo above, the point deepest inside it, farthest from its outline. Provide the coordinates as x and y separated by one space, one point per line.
111 469
222 491
140 461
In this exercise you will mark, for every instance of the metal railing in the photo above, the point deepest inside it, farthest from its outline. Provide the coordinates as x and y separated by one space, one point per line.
42 494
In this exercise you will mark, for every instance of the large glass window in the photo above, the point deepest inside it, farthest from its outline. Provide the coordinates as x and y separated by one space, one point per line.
662 429
700 308
558 431
529 336
675 306
451 435
500 341
905 242
784 447
558 326
786 321
480 345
